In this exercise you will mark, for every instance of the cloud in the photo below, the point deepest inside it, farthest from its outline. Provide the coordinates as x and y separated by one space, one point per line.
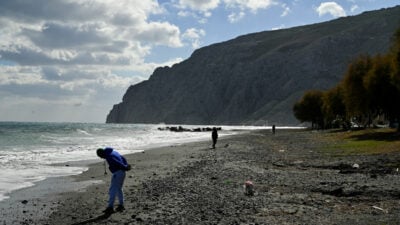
282 26
160 33
54 92
82 33
183 13
68 53
19 75
24 55
204 5
16 108
35 57
34 81
286 10
331 8
235 17
51 73
194 35
354 8
252 5
39 10
66 36
199 10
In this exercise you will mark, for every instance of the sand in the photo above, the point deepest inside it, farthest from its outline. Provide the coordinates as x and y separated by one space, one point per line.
295 183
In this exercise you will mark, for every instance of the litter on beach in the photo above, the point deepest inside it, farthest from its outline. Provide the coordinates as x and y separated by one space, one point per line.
356 166
379 208
248 188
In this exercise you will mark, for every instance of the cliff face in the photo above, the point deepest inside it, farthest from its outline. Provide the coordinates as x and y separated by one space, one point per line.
256 77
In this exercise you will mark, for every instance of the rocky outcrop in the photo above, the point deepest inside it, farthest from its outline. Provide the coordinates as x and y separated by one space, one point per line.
256 78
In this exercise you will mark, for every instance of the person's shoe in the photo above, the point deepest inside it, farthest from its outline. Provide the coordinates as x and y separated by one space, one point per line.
109 210
120 208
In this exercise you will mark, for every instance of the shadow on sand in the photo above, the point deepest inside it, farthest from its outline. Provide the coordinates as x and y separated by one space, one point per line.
94 220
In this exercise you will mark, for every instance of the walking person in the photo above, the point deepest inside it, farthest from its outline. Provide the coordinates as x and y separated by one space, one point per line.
214 136
117 165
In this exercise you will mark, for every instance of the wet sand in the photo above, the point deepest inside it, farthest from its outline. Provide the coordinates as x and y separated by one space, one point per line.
295 183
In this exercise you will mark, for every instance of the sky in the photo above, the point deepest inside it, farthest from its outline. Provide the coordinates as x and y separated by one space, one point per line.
72 60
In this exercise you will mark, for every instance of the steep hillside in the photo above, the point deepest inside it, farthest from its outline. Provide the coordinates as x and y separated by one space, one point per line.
256 77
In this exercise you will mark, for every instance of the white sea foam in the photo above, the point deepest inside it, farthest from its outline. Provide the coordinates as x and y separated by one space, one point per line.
16 178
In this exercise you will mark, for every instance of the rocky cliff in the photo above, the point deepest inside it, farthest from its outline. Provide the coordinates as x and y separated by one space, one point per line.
256 78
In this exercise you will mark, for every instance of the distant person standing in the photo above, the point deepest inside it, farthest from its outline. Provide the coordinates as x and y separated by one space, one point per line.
273 129
214 136
117 166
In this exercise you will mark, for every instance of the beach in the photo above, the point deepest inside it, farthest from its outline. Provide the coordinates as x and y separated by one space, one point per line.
295 180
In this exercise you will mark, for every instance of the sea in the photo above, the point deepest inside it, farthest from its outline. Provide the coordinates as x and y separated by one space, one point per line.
33 151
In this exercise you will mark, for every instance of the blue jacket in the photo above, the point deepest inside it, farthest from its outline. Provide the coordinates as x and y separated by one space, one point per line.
115 160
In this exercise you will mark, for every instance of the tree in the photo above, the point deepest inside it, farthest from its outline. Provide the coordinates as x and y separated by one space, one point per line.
381 92
333 107
354 94
369 88
394 55
309 108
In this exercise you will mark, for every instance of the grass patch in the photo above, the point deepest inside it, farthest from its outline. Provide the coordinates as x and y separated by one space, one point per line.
362 142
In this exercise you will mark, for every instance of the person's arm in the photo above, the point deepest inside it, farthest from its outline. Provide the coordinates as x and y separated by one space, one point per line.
118 163
127 166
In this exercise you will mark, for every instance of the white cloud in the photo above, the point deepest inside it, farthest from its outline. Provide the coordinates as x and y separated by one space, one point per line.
331 8
54 92
354 8
286 10
202 20
207 14
24 79
203 5
199 10
85 109
159 33
75 32
55 35
252 5
184 13
194 35
19 75
282 26
235 17
65 51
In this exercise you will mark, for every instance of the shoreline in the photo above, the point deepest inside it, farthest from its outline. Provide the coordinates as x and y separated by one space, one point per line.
295 183
34 204
26 161
84 166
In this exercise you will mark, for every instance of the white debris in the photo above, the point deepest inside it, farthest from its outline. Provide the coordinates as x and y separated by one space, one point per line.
356 166
379 208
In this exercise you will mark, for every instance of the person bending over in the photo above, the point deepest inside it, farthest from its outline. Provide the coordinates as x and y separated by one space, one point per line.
117 165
